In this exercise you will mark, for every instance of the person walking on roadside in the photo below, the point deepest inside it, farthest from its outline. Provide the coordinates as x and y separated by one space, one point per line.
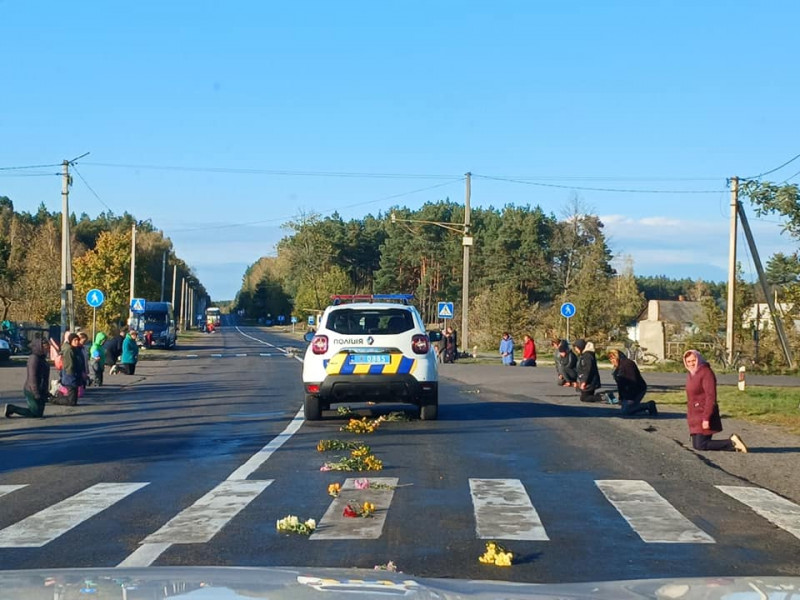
37 381
566 364
702 410
631 386
113 349
71 371
507 349
97 358
528 352
130 353
588 375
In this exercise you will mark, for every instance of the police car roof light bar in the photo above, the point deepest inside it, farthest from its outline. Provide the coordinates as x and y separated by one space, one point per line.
339 298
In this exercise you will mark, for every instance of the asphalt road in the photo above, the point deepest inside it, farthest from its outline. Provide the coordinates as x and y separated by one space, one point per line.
192 460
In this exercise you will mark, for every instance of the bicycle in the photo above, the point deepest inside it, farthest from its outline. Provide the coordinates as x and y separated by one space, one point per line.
641 356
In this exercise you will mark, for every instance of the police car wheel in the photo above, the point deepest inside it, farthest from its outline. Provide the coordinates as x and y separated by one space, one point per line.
312 409
429 409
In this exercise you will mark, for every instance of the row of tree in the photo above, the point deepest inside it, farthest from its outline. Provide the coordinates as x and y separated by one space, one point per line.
30 264
525 263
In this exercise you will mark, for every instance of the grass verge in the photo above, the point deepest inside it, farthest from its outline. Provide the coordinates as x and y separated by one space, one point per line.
771 405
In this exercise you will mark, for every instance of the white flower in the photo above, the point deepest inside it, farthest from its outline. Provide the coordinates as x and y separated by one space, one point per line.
311 524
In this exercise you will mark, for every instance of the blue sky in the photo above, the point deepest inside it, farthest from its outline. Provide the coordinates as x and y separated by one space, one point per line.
624 95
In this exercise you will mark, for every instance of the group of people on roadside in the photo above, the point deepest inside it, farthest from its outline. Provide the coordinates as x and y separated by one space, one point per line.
79 365
507 351
579 370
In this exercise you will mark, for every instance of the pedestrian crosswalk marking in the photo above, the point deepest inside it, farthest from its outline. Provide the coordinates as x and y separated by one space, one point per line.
240 355
208 515
48 524
335 526
216 356
653 518
7 489
773 508
503 510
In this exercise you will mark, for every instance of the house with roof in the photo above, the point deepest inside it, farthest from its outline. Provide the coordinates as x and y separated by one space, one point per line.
666 323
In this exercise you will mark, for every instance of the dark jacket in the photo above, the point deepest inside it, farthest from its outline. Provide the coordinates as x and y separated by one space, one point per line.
566 365
587 369
70 371
701 401
38 373
113 349
630 383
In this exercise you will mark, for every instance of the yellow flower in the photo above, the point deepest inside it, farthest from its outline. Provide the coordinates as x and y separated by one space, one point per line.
334 489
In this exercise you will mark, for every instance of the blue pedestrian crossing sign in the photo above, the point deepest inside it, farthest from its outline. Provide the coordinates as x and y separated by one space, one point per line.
95 298
568 310
294 320
311 320
445 310
137 305
281 318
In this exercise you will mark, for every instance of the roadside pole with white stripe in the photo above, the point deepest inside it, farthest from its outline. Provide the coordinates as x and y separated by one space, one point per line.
653 518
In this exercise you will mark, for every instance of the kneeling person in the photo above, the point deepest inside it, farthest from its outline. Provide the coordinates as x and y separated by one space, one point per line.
631 386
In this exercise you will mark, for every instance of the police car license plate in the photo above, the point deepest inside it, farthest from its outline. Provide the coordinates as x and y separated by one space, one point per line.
370 359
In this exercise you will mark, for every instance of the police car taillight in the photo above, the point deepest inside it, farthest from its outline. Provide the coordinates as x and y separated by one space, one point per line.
319 344
420 344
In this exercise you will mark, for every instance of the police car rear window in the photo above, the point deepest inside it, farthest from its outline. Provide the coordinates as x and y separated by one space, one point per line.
350 321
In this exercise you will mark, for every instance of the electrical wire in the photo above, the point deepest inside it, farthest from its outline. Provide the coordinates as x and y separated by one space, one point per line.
596 189
277 172
788 179
86 183
12 174
27 167
326 212
778 168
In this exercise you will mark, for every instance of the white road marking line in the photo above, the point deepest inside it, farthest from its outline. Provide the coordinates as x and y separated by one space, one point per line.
191 356
264 354
7 489
202 520
145 555
240 355
335 526
54 521
297 358
503 510
260 457
778 511
216 356
650 515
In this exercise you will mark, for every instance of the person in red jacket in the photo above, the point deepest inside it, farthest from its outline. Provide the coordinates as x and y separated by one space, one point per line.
528 352
702 410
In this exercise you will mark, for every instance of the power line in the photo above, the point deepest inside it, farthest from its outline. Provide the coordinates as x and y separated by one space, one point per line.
326 212
276 172
28 167
788 179
86 183
6 175
596 189
778 168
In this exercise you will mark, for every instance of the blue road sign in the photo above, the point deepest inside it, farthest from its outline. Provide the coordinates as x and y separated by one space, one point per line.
294 320
95 298
568 310
446 310
281 318
311 320
137 305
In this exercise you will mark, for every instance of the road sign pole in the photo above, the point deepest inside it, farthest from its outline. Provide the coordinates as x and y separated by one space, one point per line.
567 329
94 322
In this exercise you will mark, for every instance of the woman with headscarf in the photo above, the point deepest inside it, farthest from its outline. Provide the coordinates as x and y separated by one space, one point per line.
702 410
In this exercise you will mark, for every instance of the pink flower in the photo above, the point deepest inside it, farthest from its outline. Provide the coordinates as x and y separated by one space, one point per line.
361 484
325 468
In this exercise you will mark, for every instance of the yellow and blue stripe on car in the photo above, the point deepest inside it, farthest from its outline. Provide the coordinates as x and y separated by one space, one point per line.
340 364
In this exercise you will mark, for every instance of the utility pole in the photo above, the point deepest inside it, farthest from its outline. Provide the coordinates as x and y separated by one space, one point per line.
183 303
174 281
163 272
133 266
66 264
729 338
466 242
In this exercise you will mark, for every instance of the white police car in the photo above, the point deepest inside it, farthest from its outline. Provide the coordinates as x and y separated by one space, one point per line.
371 349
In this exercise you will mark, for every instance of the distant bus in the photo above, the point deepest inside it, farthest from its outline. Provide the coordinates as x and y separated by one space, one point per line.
212 316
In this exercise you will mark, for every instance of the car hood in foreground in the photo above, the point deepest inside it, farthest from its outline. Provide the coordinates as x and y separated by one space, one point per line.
234 583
